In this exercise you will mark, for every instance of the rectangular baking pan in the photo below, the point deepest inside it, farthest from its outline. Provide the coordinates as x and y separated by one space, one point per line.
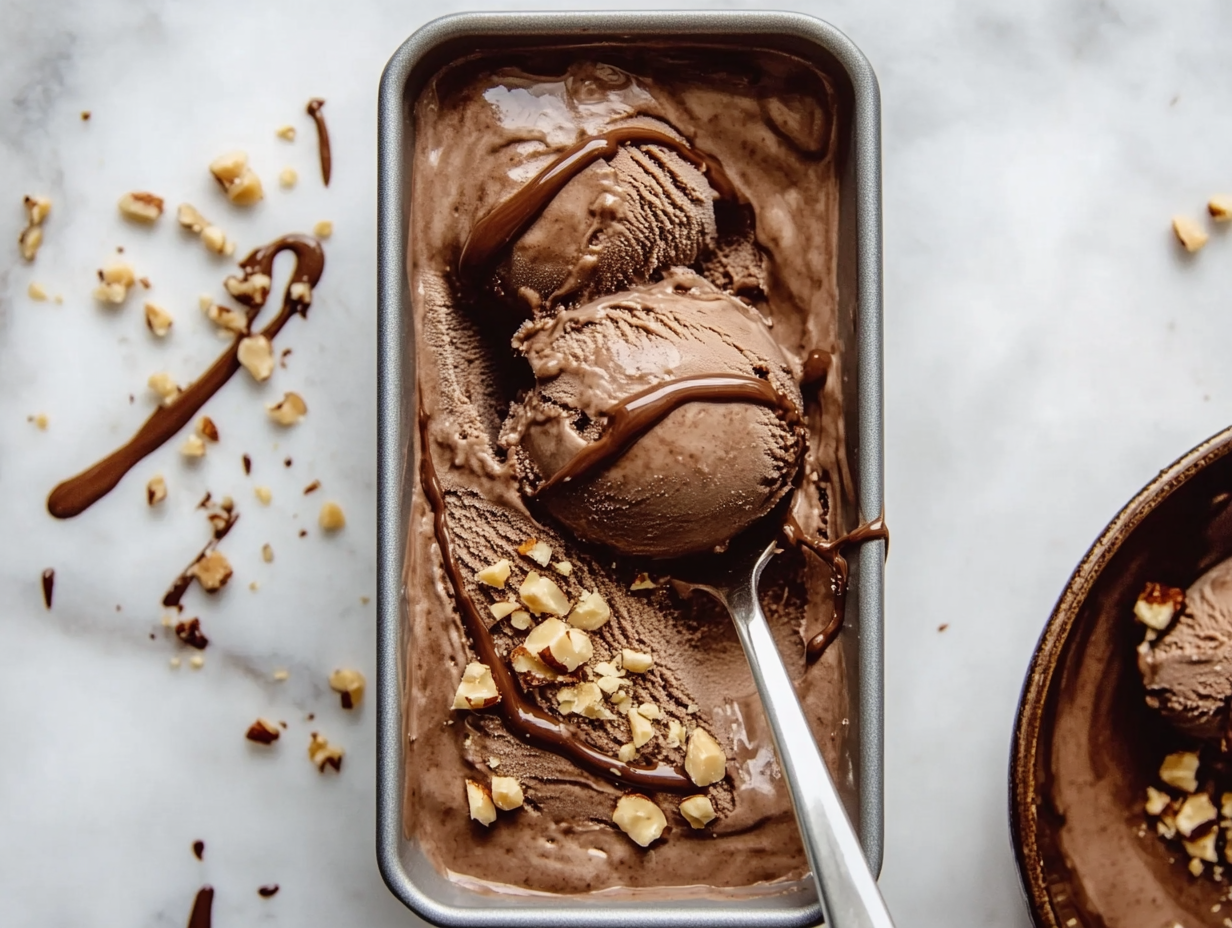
403 865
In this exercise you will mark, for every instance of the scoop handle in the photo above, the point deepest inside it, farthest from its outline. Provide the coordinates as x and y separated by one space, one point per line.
846 887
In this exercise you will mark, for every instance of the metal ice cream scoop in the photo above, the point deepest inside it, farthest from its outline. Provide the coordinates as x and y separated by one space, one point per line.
846 887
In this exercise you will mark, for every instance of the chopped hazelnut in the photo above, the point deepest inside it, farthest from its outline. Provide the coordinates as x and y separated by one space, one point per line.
562 648
267 553
626 753
288 177
237 179
704 760
156 490
542 595
494 575
639 818
538 551
500 610
521 620
190 218
40 421
1180 770
1201 848
281 676
324 754
207 429
1189 233
564 568
585 699
257 356
610 685
635 661
641 729
331 518
349 684
190 633
591 612
479 800
301 292
651 711
288 410
196 662
216 241
36 292
285 132
114 282
477 689
141 207
163 384
157 320
249 289
1157 605
676 734
37 209
212 571
227 319
524 662
1220 207
193 447
263 731
1195 811
30 241
263 494
697 811
323 229
643 582
506 793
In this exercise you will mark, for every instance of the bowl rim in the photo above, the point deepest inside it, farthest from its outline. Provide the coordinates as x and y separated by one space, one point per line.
1045 662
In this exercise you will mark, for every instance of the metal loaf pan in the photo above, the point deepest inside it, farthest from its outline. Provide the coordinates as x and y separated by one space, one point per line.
406 870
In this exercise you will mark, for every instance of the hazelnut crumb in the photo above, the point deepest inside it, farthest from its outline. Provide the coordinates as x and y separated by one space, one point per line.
495 575
281 675
289 410
642 582
349 684
301 292
36 292
506 791
193 447
156 490
196 662
479 803
238 181
312 487
331 518
267 553
1191 235
263 731
323 229
40 421
257 356
288 178
114 282
166 387
207 429
286 132
1220 207
141 206
212 571
324 754
639 818
704 760
263 494
157 320
175 663
697 811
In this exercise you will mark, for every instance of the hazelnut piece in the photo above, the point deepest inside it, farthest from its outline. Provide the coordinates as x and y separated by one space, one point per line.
591 612
141 207
500 610
477 689
263 731
324 754
331 517
212 571
635 661
479 801
1195 811
288 410
1158 605
156 490
698 811
157 320
349 684
1191 235
541 594
257 356
639 818
1220 207
538 551
562 648
495 575
1180 770
506 793
704 760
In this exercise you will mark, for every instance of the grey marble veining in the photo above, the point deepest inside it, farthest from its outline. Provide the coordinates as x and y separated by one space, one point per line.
1048 350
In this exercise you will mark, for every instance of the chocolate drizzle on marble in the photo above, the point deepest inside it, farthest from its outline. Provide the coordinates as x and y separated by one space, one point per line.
49 585
511 218
632 417
523 719
832 553
315 105
74 496
203 909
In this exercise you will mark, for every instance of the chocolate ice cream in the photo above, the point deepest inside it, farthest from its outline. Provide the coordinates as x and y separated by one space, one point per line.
622 266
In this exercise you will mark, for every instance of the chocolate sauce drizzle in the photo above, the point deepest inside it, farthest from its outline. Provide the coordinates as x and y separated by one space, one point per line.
505 223
74 496
181 583
49 584
203 909
832 553
633 416
521 718
314 110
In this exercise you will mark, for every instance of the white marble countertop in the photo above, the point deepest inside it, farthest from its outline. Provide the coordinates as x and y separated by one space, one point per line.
1048 349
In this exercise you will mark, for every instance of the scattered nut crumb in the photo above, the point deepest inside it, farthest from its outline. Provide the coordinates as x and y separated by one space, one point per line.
158 320
697 811
520 620
479 802
36 292
156 490
263 731
635 661
495 575
175 663
114 282
250 289
212 571
506 792
331 518
643 582
704 760
288 410
626 753
31 238
211 236
558 645
141 207
350 684
190 633
493 762
1194 812
591 612
1158 605
207 429
639 818
198 849
263 494
40 421
257 356
500 610
312 487
301 292
267 553
1189 233
1220 207
477 690
227 319
538 551
238 181
288 177
1180 770
323 229
564 568
193 447
541 594
196 662
166 387
324 754
281 676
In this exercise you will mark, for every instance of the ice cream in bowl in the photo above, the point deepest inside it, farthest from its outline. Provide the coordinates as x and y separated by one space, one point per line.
1121 777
